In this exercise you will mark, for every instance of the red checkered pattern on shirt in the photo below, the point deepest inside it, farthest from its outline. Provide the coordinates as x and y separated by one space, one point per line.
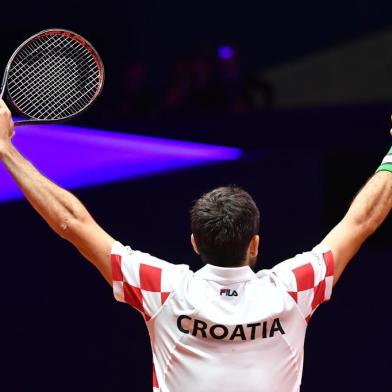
155 385
308 278
141 280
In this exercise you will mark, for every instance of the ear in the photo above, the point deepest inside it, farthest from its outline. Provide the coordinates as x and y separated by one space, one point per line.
254 246
194 246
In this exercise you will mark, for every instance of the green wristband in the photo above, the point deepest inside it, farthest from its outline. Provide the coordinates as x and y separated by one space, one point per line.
386 164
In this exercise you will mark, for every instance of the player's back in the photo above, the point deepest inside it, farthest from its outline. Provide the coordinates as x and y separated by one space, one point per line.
227 329
224 328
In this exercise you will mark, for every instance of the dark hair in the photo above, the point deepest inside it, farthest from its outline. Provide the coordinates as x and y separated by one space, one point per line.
223 223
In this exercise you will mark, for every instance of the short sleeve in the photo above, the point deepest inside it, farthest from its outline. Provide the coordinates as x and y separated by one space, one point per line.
308 278
141 280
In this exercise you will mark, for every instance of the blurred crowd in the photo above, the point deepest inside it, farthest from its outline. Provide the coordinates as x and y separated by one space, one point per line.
200 83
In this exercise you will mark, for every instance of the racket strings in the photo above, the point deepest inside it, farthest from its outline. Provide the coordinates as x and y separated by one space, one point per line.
53 77
50 57
20 66
33 72
26 97
50 71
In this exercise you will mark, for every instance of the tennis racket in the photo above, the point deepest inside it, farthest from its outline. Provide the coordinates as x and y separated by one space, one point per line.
52 77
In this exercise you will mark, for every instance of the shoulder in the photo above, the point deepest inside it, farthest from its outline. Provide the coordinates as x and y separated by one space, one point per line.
142 280
307 278
127 255
318 261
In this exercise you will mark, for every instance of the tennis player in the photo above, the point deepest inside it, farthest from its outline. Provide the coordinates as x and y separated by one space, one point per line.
224 327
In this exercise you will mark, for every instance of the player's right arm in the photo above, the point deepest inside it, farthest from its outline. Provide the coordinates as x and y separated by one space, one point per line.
367 212
63 212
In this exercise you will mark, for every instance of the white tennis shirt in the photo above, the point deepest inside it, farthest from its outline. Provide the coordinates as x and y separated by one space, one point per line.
224 329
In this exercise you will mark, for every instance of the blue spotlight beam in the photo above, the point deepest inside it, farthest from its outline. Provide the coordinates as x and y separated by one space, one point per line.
80 157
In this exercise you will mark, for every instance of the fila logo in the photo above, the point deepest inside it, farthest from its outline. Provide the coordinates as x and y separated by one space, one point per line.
228 293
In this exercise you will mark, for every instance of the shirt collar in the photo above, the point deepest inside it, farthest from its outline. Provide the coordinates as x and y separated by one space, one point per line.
234 274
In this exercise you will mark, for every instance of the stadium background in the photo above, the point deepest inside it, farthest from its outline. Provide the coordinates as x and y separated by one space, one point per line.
303 89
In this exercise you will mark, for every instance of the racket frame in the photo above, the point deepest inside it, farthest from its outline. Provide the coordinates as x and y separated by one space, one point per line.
69 34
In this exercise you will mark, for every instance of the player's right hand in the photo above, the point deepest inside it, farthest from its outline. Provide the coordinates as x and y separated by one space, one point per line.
6 127
391 128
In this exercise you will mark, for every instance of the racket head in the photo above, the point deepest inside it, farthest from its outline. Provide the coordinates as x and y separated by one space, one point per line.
53 76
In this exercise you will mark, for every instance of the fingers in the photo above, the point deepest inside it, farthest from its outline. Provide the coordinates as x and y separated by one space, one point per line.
4 107
4 111
390 131
6 123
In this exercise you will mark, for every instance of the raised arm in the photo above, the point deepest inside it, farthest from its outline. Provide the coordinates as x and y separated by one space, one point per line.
63 212
367 212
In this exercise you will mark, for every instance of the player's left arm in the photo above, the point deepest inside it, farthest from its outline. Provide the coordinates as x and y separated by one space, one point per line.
367 212
63 212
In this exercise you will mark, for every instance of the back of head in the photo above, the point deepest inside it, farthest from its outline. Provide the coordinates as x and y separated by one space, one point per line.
223 223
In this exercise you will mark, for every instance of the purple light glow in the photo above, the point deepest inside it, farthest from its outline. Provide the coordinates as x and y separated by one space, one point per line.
225 52
78 157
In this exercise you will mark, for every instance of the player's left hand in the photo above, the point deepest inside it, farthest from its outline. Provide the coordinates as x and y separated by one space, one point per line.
6 127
